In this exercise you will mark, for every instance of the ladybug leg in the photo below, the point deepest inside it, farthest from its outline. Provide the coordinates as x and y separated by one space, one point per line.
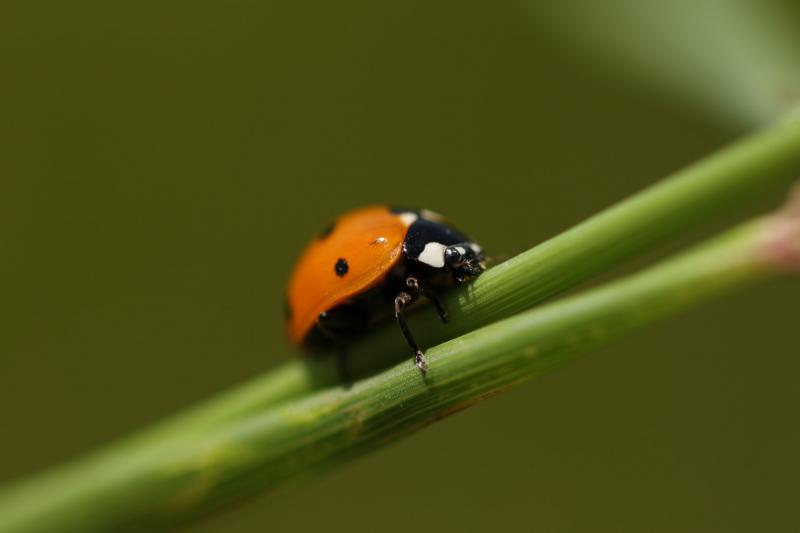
339 346
400 302
414 283
341 366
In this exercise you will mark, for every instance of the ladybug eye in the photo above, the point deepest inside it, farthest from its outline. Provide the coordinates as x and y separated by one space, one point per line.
341 267
453 255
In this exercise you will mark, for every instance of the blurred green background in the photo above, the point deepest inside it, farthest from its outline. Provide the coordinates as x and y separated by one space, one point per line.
163 163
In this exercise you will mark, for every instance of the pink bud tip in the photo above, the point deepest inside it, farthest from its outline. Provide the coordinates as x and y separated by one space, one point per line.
782 244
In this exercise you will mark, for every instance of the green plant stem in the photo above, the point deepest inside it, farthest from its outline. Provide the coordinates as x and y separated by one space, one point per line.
719 184
171 479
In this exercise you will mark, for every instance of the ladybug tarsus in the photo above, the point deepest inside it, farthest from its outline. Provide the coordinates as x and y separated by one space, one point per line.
422 364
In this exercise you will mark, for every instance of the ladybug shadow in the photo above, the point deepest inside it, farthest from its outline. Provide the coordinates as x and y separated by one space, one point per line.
384 346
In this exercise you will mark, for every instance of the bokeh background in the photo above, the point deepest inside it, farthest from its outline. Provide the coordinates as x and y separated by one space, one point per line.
163 163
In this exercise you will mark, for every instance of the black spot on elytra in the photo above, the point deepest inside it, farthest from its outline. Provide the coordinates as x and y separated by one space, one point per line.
341 267
327 230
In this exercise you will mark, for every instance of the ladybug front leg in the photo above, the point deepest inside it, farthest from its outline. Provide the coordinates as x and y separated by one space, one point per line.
402 300
414 283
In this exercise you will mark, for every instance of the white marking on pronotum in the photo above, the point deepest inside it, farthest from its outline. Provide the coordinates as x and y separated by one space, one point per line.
461 250
427 214
475 247
408 218
433 254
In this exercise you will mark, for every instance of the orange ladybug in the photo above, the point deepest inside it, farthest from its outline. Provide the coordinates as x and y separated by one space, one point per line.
372 263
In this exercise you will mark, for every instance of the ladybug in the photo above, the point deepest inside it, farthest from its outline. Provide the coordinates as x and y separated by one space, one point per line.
370 264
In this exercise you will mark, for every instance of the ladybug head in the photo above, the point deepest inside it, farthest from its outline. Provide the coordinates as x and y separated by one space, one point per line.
464 260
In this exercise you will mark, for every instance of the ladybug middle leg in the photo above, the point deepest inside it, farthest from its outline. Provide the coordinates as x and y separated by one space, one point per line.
340 349
337 327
